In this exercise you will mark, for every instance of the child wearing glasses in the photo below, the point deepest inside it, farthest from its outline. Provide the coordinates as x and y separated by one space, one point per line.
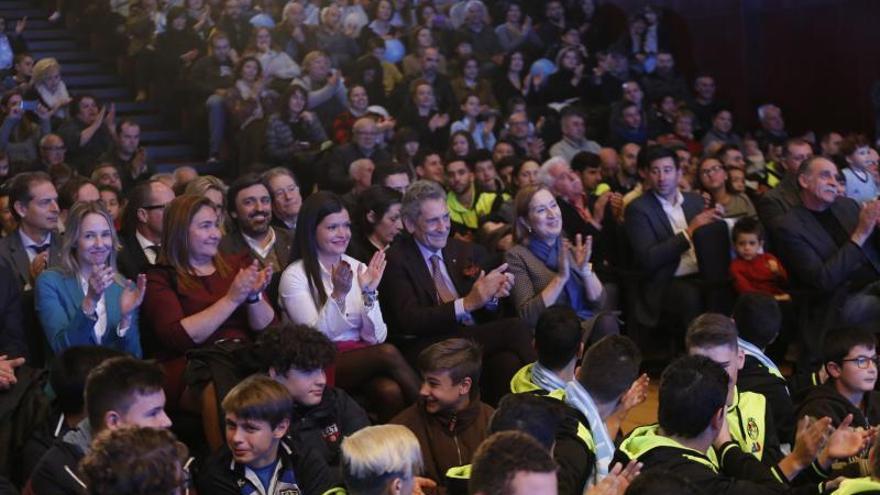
851 362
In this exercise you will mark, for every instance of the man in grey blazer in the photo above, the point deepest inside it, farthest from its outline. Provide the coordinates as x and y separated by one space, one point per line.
35 245
660 225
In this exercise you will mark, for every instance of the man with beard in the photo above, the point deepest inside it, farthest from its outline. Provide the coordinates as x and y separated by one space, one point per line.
249 205
468 208
286 198
90 133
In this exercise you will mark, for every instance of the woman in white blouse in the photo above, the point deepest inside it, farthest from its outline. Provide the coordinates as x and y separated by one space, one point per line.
336 294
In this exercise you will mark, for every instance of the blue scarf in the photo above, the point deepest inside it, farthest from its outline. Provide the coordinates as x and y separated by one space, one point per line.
545 378
580 399
574 289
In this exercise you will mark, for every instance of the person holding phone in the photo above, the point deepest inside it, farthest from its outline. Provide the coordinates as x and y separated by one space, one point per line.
24 124
85 301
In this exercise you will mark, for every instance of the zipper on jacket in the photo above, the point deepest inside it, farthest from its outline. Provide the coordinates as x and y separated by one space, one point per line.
455 438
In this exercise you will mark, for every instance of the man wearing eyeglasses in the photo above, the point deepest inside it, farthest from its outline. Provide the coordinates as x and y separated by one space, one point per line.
142 227
851 362
52 153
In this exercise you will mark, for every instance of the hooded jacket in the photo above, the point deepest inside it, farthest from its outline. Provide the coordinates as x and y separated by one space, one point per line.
57 473
754 377
724 471
447 439
825 400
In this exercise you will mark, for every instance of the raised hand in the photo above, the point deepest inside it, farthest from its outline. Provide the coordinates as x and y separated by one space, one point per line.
845 441
617 480
636 394
810 439
20 25
487 286
370 275
132 295
341 276
564 261
100 278
264 276
244 281
581 251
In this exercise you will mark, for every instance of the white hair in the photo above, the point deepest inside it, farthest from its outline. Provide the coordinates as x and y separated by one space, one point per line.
374 454
767 107
545 176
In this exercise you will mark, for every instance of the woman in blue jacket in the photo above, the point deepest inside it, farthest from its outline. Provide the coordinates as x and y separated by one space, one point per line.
85 301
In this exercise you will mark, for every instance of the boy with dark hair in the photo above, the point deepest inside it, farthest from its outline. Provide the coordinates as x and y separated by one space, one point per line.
758 320
510 463
296 357
692 438
67 377
851 362
258 458
539 417
449 419
603 399
752 270
559 342
749 420
120 392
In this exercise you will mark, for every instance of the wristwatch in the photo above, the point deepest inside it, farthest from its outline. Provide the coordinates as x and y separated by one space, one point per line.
254 299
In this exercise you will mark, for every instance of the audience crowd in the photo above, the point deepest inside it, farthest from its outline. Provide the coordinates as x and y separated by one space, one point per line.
442 247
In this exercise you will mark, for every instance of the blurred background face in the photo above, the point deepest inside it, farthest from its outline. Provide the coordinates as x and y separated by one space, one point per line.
287 199
387 228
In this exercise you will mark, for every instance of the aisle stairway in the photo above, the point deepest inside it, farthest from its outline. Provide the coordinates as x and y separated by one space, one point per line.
83 72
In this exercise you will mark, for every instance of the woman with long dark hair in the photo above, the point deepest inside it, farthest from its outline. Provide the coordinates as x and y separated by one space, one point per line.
378 222
326 289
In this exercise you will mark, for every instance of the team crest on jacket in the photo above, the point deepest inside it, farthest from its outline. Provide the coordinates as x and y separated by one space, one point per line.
330 433
752 429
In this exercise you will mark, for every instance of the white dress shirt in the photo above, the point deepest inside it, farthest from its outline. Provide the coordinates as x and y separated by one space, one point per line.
678 220
353 322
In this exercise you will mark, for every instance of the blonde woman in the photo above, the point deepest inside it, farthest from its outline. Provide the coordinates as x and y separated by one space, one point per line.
49 88
85 301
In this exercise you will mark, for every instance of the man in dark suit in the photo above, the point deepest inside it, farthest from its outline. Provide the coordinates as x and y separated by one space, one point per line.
831 248
35 245
142 227
12 341
660 225
434 289
249 205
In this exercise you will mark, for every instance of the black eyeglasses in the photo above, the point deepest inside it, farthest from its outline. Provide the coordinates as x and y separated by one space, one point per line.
862 361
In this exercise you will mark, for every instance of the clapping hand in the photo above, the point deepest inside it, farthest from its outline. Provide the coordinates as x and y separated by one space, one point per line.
370 275
341 277
580 250
617 480
102 276
496 283
846 442
7 371
132 295
244 282
636 394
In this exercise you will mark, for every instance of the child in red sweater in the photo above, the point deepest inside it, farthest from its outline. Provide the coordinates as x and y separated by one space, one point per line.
752 270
